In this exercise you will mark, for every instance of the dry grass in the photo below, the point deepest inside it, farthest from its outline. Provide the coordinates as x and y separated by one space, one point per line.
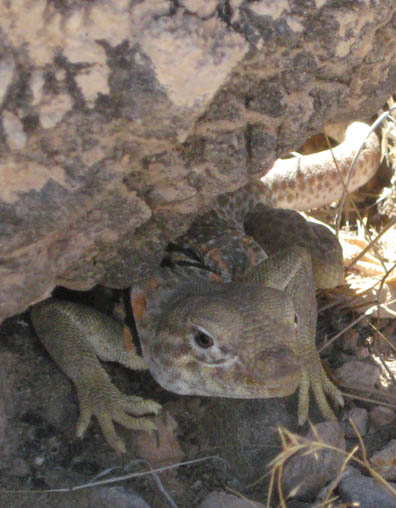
293 444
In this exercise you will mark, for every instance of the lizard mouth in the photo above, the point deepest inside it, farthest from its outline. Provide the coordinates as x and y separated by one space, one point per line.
221 362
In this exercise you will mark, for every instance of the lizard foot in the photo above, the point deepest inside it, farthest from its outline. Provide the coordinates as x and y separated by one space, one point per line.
108 404
316 378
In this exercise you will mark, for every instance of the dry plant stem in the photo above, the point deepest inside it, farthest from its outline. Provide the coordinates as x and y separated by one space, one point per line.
372 302
327 503
383 337
366 399
116 479
380 288
270 487
379 120
343 182
383 363
351 325
336 480
361 443
252 504
371 244
338 301
279 485
293 443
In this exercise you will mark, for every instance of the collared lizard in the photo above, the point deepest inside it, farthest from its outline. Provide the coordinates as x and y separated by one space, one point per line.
253 334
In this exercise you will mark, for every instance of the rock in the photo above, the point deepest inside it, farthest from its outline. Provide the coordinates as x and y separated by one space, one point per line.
116 497
356 488
223 500
245 433
304 475
357 373
349 340
381 415
113 141
19 467
160 448
359 416
384 461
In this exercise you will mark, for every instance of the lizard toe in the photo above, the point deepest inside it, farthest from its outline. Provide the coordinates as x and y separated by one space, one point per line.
303 398
83 420
321 400
132 423
315 377
331 389
100 398
139 406
113 439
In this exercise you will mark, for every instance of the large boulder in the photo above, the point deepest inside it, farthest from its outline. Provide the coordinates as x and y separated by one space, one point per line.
121 120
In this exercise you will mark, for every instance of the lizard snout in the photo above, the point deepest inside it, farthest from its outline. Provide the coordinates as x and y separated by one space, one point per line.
275 372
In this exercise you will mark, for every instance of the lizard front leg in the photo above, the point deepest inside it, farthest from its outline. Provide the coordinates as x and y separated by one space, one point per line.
291 271
74 335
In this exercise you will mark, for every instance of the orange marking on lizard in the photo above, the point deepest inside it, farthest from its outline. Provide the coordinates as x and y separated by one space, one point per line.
128 339
215 278
247 240
215 255
139 301
139 304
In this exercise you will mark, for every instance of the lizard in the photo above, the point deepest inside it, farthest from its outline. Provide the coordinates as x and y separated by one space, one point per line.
232 310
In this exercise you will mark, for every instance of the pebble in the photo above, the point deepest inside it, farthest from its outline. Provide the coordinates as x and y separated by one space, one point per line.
357 488
358 373
305 475
384 461
381 415
220 499
359 416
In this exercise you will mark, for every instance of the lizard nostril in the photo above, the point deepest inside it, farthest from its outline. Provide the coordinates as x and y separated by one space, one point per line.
278 361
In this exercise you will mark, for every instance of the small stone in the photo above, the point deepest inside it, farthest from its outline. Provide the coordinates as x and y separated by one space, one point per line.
350 340
359 416
19 467
13 128
222 500
358 373
362 353
203 9
381 415
161 447
7 66
39 461
305 474
364 491
384 461
197 485
116 497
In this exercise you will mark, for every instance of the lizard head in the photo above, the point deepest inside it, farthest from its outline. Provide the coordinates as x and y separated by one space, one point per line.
237 340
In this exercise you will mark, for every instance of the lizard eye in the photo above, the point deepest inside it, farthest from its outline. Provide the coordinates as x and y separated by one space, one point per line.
203 340
296 320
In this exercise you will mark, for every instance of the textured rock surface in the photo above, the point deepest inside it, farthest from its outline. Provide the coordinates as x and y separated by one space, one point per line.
121 119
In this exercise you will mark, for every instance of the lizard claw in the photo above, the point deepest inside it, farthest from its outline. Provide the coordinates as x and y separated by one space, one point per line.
108 404
316 378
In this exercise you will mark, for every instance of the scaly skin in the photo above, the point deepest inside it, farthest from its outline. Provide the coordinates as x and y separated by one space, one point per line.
251 335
